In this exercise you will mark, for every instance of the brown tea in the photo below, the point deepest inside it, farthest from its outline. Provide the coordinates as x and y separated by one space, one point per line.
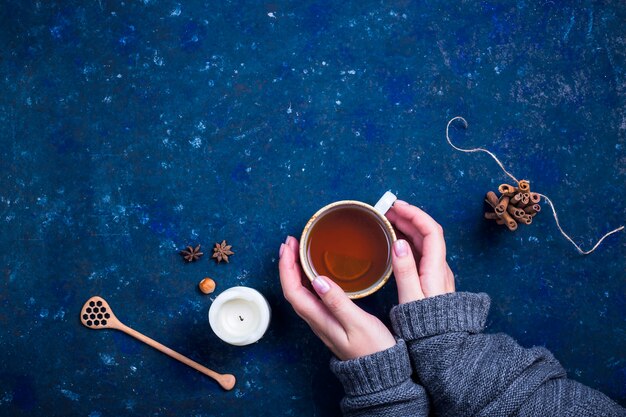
350 246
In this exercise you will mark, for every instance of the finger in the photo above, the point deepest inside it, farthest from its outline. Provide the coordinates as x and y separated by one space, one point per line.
406 228
428 239
433 269
305 303
435 279
288 268
400 235
292 242
416 223
291 275
338 303
291 280
405 271
422 221
450 287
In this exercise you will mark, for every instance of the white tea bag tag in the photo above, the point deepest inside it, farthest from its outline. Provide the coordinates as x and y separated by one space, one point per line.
385 202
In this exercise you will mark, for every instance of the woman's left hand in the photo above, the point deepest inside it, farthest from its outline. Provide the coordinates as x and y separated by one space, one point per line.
348 331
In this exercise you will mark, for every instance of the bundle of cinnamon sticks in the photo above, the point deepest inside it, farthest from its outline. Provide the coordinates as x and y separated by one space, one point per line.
514 206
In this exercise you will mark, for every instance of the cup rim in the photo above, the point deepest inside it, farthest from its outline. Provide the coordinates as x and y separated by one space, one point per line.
308 270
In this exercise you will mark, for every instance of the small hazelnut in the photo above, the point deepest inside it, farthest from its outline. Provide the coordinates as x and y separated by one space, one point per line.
207 285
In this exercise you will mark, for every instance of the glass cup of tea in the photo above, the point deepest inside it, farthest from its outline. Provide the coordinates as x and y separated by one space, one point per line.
350 242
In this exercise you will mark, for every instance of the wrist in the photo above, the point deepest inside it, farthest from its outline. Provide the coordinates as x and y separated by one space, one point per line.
381 343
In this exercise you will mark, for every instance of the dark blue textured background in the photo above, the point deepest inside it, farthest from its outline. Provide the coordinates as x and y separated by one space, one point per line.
129 130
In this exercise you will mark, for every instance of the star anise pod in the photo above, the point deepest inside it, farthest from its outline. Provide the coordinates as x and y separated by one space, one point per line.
191 254
221 251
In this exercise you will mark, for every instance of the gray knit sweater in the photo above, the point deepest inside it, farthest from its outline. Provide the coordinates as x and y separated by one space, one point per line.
460 371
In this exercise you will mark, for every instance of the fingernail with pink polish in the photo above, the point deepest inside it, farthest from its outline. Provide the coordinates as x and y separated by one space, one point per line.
401 203
401 248
287 240
321 285
281 250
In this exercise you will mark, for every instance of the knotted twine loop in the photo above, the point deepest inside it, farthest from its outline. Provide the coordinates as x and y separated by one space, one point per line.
556 218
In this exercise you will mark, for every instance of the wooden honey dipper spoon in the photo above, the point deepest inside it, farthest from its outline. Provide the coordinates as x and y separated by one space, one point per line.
97 314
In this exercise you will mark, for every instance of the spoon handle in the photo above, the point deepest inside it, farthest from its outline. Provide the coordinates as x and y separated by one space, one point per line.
226 381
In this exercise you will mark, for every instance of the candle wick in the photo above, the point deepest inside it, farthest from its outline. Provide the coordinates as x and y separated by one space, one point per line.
240 318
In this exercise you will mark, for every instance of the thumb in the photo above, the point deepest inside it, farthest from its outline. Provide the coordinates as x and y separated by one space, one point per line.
335 299
405 271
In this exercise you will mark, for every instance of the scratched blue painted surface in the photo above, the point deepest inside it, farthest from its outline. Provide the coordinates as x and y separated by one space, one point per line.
130 130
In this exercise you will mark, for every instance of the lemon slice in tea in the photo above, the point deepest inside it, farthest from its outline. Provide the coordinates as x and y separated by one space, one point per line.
346 267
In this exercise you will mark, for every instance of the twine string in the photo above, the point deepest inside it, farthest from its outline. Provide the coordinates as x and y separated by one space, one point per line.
582 252
475 149
556 218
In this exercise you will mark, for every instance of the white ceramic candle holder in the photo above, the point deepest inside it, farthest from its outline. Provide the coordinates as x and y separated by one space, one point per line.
240 316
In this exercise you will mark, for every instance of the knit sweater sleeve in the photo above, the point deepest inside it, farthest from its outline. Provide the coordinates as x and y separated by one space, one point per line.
380 385
467 373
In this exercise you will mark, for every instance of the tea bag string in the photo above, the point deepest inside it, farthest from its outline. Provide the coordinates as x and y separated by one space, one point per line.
556 218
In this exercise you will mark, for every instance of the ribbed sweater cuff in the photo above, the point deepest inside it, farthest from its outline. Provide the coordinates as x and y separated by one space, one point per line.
453 312
375 372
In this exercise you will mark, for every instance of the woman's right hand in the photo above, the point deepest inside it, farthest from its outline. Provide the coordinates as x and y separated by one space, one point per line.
425 273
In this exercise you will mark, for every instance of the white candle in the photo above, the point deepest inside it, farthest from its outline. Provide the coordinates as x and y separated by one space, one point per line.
239 316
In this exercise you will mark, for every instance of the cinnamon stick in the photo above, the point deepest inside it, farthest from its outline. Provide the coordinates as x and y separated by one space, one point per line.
525 199
535 198
528 219
523 186
503 203
518 213
517 198
506 189
508 221
532 209
491 216
491 199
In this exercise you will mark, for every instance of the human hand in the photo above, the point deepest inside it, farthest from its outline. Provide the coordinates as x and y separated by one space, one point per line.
345 329
432 276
